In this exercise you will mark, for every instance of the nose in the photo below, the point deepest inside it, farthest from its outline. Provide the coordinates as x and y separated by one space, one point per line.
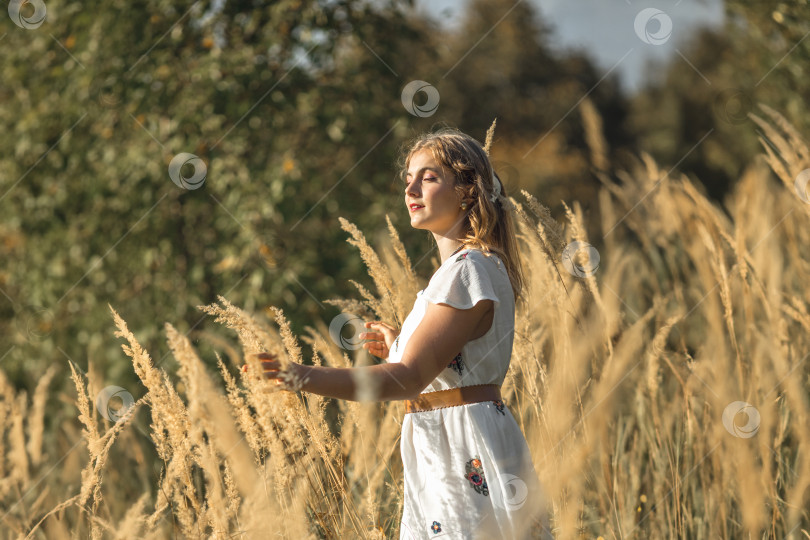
409 190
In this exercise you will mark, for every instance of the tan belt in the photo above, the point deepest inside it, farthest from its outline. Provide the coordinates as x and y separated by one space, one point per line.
453 396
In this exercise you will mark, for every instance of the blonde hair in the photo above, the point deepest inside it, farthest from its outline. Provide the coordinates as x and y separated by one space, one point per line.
489 226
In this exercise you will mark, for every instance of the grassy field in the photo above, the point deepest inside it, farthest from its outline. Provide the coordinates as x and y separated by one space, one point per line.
662 392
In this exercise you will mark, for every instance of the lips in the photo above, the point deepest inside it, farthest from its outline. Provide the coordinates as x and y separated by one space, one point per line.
415 207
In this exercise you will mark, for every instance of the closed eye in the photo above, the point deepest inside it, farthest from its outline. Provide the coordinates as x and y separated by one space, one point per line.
406 181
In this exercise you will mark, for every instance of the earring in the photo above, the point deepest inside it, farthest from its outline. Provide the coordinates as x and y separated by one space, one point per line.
464 205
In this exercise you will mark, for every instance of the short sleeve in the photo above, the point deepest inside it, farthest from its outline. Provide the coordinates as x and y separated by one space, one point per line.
462 284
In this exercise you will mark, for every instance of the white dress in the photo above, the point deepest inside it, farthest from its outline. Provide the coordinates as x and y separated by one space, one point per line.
468 471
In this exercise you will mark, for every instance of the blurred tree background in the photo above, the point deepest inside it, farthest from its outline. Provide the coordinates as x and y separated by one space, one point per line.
295 109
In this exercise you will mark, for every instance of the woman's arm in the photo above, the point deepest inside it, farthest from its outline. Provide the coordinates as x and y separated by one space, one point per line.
440 335
380 382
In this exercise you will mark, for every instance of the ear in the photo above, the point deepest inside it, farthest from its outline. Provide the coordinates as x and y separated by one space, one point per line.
467 193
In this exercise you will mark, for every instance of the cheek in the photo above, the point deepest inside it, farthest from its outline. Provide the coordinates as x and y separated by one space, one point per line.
442 197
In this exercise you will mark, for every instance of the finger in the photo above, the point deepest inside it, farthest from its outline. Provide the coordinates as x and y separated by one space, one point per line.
376 348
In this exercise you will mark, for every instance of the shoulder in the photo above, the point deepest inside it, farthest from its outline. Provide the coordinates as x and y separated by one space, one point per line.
473 265
464 280
479 258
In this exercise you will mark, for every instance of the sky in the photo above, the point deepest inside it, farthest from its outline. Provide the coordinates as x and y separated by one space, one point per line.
606 29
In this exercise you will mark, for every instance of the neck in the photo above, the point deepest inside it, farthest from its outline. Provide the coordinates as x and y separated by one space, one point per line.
447 246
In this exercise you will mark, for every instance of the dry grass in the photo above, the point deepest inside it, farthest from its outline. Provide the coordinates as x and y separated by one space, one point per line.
619 381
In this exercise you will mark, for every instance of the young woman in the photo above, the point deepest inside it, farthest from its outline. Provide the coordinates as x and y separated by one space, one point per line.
467 467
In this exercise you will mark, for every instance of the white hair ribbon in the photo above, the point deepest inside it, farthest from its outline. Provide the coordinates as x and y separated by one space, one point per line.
496 192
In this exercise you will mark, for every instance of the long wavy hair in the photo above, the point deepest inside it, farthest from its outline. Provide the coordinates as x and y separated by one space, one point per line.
488 226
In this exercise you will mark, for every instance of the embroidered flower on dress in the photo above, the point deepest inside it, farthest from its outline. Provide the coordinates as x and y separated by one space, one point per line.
475 475
457 363
437 527
462 256
499 406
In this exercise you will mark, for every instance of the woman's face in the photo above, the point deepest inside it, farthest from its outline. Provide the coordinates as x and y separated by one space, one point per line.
431 186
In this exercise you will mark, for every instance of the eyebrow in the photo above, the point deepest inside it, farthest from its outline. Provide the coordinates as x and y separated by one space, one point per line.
423 169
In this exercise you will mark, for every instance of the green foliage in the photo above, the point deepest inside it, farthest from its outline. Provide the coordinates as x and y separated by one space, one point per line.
295 110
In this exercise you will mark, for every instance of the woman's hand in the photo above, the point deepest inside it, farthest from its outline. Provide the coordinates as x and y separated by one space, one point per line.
383 338
271 369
